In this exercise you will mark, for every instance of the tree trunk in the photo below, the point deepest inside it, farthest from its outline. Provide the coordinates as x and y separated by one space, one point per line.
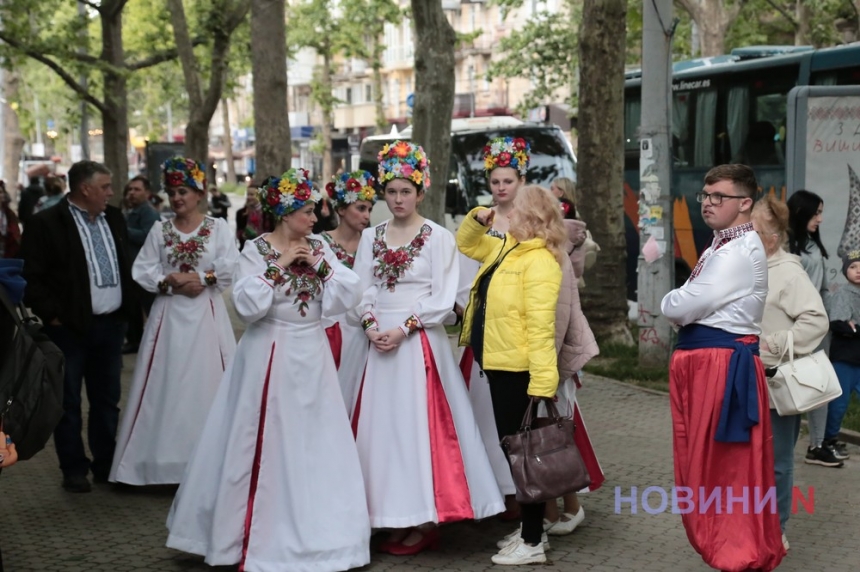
434 97
228 143
269 68
802 16
115 114
14 143
327 119
713 18
601 163
376 65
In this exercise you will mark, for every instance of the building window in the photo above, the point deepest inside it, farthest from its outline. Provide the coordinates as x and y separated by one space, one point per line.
368 93
348 96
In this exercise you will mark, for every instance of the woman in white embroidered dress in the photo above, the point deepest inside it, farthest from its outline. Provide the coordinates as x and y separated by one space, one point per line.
188 341
275 482
421 451
353 195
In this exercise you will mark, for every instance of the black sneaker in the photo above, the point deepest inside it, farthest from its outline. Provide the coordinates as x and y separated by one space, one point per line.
76 484
839 450
821 456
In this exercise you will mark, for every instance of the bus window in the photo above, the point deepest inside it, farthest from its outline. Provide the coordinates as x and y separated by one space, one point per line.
632 120
694 128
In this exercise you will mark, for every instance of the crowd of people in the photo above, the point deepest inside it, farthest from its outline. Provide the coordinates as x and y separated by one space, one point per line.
288 457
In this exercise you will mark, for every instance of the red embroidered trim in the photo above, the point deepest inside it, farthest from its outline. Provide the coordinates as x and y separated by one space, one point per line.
255 469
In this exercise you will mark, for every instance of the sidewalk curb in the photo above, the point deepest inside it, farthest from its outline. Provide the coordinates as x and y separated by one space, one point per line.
845 435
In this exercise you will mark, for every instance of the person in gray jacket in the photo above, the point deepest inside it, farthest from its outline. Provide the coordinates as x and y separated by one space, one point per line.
805 213
139 218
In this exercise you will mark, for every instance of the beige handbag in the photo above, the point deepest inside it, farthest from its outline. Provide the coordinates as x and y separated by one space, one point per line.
802 384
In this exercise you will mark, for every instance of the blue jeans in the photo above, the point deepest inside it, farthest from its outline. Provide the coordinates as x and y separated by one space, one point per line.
849 379
785 432
96 358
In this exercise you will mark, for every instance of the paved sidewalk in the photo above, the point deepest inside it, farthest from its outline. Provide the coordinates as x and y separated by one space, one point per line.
119 529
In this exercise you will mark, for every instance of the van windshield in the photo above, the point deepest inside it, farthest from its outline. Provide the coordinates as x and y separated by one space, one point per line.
550 159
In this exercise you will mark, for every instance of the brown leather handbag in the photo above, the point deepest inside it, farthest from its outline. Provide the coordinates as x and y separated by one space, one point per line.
545 462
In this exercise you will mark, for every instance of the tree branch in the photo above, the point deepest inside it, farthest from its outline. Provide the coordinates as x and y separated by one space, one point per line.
692 7
784 13
733 11
159 57
92 5
58 69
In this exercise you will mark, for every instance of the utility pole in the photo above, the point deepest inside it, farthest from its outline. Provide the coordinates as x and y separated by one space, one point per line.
656 258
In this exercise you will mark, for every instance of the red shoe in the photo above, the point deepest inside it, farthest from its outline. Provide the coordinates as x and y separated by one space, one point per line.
429 541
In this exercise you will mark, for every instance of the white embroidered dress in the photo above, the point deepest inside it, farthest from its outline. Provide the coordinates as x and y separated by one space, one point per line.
347 340
187 344
275 482
421 452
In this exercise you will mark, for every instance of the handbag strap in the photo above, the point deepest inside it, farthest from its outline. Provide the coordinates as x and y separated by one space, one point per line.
551 410
789 347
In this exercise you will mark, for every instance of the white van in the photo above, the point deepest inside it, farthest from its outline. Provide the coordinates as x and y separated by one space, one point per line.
466 188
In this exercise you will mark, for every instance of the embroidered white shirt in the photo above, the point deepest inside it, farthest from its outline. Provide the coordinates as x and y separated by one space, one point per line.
729 292
102 260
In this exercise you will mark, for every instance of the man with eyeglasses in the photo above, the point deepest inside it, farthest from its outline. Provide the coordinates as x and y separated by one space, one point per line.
721 424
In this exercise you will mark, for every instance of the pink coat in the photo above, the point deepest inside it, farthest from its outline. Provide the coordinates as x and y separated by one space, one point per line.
574 339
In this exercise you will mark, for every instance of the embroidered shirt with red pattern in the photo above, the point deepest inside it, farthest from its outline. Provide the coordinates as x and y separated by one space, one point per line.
721 238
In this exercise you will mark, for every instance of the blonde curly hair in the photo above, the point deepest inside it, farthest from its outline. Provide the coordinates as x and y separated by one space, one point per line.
536 215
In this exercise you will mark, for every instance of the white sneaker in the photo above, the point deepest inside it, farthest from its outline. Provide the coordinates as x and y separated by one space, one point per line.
518 553
517 535
563 527
785 542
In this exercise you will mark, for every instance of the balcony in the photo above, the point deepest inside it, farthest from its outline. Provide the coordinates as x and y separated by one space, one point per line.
357 115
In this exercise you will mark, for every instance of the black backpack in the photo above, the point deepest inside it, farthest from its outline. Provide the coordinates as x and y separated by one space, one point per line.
31 382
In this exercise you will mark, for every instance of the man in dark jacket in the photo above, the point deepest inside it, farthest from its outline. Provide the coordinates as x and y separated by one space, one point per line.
28 199
77 268
139 219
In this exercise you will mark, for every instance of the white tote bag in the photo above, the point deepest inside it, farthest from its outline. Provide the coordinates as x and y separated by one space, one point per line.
802 384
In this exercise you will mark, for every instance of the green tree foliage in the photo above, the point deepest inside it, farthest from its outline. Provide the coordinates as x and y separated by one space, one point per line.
364 23
545 50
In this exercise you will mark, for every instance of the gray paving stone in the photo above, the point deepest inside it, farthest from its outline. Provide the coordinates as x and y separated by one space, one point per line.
122 529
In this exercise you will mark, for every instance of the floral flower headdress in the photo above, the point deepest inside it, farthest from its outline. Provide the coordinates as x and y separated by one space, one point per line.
404 160
279 196
351 187
183 172
507 152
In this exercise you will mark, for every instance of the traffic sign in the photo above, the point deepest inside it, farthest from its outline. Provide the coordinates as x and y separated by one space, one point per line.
410 100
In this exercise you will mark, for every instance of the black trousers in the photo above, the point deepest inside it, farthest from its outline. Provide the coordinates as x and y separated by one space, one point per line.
94 360
508 390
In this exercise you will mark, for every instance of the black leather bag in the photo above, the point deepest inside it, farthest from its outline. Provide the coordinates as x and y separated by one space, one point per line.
545 462
31 382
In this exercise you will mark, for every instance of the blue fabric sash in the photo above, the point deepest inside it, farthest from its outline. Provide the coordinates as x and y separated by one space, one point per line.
11 279
740 401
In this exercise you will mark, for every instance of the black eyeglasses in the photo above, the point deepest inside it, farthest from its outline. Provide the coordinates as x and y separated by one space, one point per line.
716 198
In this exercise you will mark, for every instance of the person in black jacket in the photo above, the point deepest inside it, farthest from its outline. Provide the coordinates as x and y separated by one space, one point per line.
78 275
28 198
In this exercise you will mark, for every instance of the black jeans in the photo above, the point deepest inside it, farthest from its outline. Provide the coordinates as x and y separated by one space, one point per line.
510 401
96 358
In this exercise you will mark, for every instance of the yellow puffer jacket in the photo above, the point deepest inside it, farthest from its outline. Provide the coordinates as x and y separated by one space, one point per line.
519 329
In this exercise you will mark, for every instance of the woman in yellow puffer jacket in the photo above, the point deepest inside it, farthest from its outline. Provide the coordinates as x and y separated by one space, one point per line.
510 325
